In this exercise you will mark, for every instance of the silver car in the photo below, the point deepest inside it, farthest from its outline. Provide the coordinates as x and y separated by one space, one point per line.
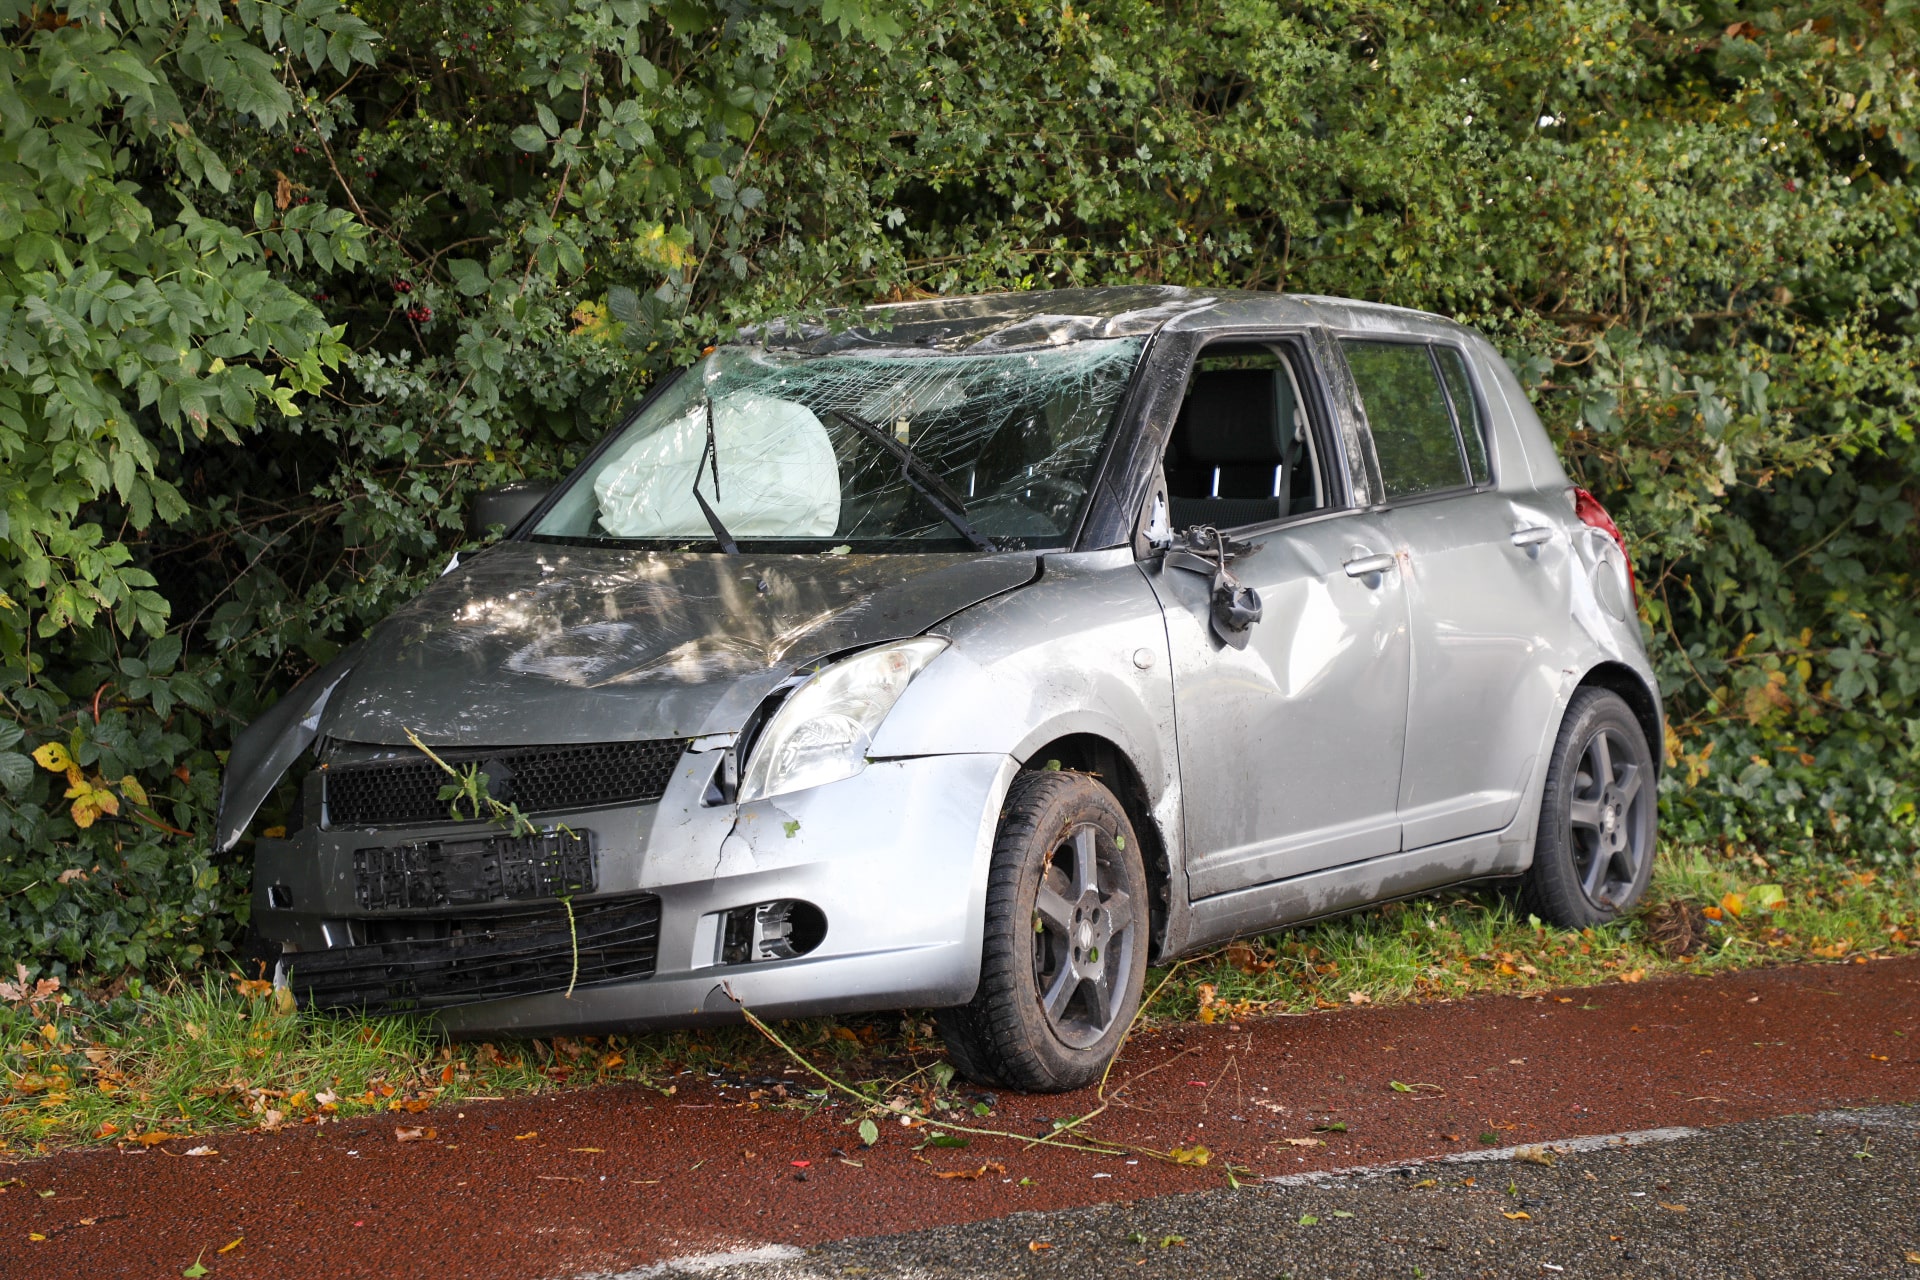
967 659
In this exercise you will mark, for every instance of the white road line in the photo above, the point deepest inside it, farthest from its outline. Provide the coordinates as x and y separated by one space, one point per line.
702 1263
1563 1146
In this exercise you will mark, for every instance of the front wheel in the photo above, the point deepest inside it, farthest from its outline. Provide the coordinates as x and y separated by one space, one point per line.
1065 952
1593 855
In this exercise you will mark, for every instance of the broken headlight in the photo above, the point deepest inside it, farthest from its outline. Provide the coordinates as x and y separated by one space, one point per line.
822 732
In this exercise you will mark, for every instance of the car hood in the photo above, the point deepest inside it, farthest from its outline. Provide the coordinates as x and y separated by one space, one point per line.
540 642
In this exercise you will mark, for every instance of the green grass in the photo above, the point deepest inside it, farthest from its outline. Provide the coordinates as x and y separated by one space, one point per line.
198 1054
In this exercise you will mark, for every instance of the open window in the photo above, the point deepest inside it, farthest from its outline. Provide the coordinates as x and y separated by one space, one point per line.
1243 449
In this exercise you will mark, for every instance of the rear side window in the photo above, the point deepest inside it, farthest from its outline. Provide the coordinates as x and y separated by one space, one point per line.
1411 393
1466 410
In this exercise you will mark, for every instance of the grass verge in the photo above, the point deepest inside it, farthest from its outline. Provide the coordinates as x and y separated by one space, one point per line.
155 1063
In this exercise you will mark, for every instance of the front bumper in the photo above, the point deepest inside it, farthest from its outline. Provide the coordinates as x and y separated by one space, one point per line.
895 858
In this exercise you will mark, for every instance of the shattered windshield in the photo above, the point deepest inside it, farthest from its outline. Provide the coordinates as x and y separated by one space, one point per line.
875 450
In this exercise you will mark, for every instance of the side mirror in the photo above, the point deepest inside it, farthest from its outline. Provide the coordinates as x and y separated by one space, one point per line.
508 505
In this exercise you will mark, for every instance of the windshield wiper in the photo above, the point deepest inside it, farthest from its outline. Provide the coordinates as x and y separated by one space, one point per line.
712 450
951 506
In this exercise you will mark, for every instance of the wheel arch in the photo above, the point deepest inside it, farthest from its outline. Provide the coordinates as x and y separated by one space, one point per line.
1104 759
1641 699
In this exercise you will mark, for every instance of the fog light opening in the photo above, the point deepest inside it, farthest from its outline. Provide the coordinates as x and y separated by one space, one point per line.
279 897
779 930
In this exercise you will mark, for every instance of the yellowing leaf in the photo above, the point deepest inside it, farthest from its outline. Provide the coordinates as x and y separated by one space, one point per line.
130 788
52 757
230 1246
1195 1154
1767 897
1518 1215
1671 1208
1734 904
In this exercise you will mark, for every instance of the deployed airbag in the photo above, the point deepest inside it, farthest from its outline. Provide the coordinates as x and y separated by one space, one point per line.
778 475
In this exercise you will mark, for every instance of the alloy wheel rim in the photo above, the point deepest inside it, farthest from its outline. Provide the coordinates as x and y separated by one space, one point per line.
1607 815
1083 936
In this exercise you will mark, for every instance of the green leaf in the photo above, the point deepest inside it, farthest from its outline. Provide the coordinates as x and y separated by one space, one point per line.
529 138
869 1133
469 277
16 771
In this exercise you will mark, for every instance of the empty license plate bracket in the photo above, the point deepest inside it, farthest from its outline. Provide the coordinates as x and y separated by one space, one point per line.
481 869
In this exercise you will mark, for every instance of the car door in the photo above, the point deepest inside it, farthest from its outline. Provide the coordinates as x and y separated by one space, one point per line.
1479 693
1289 749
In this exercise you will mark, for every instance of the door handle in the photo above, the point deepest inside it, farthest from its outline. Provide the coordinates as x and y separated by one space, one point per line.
1531 535
1367 566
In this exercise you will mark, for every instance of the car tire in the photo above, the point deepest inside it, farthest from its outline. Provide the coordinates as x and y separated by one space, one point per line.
1060 972
1593 854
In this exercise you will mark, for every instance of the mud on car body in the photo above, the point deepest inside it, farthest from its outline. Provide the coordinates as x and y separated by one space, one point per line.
968 659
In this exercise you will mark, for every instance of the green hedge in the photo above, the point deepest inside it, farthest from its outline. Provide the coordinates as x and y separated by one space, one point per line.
281 285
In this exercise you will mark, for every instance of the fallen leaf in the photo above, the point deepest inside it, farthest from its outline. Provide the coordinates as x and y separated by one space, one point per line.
1341 1213
1308 1220
1671 1208
1533 1155
231 1245
967 1174
869 1133
522 1137
1195 1154
1338 1126
198 1268
1426 1182
1359 997
1518 1215
202 1151
1035 1246
1397 1087
153 1139
591 1151
35 1235
1303 1142
415 1135
1633 976
801 1164
1913 1257
1733 904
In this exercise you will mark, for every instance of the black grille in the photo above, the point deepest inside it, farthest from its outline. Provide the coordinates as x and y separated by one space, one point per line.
537 779
436 964
457 873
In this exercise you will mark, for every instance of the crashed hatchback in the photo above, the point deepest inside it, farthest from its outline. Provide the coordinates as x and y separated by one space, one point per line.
967 659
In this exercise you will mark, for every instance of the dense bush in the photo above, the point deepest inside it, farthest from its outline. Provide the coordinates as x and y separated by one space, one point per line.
282 284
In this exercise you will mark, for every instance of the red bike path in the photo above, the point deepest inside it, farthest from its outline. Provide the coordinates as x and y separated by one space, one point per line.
617 1177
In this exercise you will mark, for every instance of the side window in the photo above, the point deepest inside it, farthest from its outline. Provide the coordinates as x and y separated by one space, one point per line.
1413 435
1466 410
1242 450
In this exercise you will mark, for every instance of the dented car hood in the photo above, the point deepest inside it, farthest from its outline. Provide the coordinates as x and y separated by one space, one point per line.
545 643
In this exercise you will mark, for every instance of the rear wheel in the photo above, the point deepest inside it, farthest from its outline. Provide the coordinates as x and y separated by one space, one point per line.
1593 855
1065 952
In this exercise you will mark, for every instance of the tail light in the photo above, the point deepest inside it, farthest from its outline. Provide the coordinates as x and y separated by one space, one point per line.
1595 516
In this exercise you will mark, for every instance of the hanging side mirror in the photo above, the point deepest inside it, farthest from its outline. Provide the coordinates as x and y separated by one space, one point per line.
506 506
1232 608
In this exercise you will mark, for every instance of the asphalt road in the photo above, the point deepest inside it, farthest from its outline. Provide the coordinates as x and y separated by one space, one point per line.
1828 1195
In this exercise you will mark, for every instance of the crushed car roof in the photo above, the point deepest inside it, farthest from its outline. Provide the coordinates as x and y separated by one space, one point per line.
1052 317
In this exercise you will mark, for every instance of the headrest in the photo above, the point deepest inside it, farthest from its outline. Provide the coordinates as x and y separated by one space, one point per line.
1236 416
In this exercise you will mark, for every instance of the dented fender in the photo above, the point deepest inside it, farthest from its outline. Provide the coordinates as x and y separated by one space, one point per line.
264 752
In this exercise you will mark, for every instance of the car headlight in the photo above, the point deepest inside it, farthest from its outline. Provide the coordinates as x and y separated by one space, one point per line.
822 732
